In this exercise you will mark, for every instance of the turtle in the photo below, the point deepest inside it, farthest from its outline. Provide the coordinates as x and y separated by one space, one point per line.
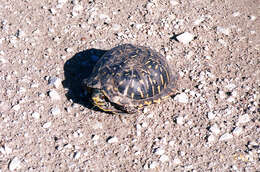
129 77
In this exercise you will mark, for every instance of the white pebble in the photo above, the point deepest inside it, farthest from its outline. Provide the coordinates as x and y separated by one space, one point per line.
176 161
215 129
243 119
76 155
112 140
153 164
15 164
159 151
69 50
221 41
54 95
180 120
235 14
211 115
164 158
222 95
199 20
77 10
5 149
252 18
16 107
185 38
150 115
144 125
55 111
225 31
116 27
174 2
182 98
46 125
95 137
35 115
57 83
237 131
171 143
211 138
231 99
230 86
225 137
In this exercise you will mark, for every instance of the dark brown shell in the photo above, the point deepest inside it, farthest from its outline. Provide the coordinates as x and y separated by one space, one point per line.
132 75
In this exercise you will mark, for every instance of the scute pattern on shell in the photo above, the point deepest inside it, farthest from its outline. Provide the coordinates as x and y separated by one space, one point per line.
132 75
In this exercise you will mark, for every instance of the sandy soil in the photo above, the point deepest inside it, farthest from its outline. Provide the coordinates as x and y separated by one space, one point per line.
212 124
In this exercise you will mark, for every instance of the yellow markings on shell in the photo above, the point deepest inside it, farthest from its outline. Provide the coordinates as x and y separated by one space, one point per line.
159 89
132 95
97 101
150 66
165 97
115 89
156 66
141 81
167 76
147 102
157 101
162 79
121 82
148 61
140 105
125 91
140 91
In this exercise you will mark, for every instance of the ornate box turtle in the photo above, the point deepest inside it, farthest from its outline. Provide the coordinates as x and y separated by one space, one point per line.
128 77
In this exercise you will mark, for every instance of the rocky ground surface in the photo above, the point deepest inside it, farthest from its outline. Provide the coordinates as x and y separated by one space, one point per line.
212 124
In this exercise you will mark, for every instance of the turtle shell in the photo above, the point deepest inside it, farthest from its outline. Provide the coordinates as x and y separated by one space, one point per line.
132 76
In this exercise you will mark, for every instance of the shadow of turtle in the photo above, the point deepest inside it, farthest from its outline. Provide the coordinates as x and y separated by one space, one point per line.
76 69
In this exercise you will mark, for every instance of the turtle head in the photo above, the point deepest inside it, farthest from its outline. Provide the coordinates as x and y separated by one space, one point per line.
100 100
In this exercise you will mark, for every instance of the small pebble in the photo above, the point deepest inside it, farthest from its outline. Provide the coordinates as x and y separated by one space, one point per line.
46 125
222 95
252 18
185 38
176 161
171 143
211 138
54 95
225 137
243 119
237 131
211 115
215 129
54 81
55 111
235 14
14 164
174 2
159 151
180 120
223 30
182 98
76 155
112 140
164 158
221 41
16 107
36 115
68 50
116 27
199 20
153 164
95 137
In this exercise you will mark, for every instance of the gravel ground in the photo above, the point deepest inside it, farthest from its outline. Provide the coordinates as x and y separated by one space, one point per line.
212 124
